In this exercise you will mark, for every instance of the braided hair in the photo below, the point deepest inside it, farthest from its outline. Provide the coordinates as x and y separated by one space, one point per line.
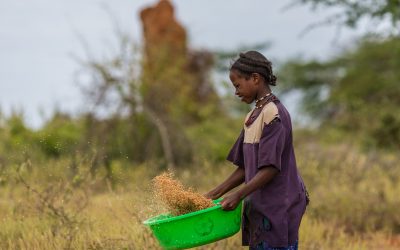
254 62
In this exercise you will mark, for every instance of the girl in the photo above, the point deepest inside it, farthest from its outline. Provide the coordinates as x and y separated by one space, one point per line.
274 194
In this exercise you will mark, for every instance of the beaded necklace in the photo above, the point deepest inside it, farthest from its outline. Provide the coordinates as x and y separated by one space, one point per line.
260 99
253 116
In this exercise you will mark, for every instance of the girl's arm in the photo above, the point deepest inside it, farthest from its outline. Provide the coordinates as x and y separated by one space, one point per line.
234 180
263 176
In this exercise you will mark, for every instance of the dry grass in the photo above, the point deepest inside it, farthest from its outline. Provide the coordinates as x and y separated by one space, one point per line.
176 197
354 203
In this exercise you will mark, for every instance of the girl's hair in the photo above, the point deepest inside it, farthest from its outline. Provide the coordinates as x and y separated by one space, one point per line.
254 62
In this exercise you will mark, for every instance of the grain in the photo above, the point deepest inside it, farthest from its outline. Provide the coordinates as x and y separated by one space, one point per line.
178 199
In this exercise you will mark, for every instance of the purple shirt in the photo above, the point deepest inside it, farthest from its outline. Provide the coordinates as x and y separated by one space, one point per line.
273 212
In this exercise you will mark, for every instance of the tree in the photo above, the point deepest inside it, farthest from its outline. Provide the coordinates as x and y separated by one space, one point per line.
351 12
116 90
357 92
155 93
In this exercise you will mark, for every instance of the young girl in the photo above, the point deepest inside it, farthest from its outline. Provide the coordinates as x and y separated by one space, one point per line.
274 194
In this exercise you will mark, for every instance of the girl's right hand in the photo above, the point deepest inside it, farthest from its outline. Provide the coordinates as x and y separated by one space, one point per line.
213 194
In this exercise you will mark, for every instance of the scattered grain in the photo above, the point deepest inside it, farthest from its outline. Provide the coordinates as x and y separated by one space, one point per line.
178 199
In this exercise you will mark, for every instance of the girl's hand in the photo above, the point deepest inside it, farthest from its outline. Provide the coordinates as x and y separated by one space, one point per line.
231 201
213 194
234 180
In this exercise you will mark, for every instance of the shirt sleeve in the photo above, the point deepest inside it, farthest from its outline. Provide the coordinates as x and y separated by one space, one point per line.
236 154
272 144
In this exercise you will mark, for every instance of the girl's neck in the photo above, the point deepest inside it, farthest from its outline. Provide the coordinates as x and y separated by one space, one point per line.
262 96
263 92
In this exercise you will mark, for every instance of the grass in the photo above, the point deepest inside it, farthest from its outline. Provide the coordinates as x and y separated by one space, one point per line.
354 202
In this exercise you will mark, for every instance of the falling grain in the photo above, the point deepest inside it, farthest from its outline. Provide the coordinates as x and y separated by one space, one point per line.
176 197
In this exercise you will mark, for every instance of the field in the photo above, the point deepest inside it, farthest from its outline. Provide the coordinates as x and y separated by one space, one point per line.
56 205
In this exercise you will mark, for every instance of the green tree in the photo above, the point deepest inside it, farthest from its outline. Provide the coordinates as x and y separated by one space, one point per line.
357 92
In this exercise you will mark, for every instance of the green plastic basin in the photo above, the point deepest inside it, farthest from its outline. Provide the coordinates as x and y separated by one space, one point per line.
197 228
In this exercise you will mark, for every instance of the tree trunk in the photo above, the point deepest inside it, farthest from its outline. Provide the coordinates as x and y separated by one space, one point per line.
165 139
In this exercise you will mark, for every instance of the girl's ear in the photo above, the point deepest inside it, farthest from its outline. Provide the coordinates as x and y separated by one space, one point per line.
256 78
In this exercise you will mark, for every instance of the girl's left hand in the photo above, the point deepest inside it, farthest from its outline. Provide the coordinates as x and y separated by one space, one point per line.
230 201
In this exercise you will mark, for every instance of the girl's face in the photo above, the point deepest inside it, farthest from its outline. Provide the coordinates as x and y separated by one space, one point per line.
245 89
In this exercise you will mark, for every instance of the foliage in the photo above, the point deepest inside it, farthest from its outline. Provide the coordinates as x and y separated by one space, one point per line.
217 137
60 135
151 100
357 92
16 139
350 13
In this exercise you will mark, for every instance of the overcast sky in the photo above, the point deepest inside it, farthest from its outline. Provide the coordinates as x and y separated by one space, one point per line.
39 37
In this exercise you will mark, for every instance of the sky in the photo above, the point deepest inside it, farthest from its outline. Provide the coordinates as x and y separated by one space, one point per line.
41 39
